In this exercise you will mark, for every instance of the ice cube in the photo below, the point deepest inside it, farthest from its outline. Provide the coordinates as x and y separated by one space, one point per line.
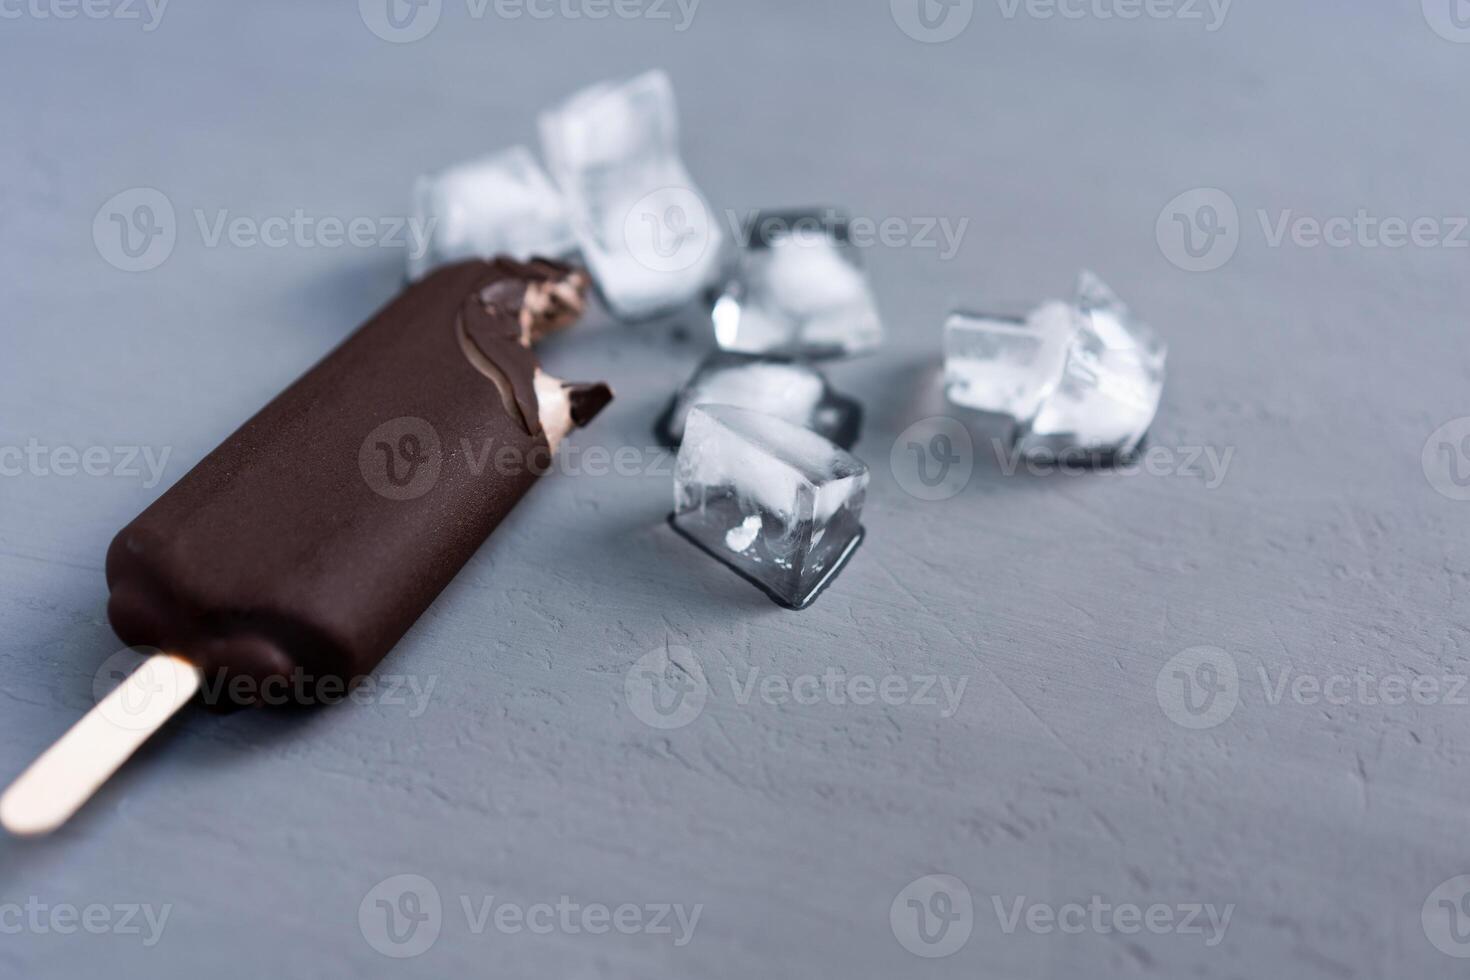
1003 365
799 289
785 388
498 205
777 503
1110 387
1081 379
650 238
1116 328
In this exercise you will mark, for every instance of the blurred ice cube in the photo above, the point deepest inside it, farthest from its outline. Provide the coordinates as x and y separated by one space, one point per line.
498 205
1115 327
1006 366
800 289
778 386
648 235
777 503
1111 384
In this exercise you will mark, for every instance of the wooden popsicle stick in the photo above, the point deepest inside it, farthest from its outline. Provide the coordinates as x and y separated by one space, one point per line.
67 774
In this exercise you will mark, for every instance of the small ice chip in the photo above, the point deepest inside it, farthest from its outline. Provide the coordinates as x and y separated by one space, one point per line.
777 503
651 240
1006 366
785 388
800 290
499 205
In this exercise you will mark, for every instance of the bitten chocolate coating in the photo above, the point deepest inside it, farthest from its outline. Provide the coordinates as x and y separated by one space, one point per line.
312 539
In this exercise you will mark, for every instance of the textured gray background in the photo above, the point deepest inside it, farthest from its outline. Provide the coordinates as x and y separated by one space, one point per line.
1325 550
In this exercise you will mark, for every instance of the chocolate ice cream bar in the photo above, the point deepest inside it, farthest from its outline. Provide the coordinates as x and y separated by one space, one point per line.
313 537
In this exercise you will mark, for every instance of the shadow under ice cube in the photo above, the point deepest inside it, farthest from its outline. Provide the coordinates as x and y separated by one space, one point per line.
776 502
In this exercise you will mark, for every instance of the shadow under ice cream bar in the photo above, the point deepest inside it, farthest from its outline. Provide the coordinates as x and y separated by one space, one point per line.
312 539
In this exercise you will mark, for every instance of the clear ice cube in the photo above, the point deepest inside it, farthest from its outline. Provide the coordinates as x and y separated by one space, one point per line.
648 235
800 289
498 205
1006 366
777 503
1111 384
785 388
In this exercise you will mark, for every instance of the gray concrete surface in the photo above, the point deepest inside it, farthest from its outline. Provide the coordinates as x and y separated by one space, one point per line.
1331 826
